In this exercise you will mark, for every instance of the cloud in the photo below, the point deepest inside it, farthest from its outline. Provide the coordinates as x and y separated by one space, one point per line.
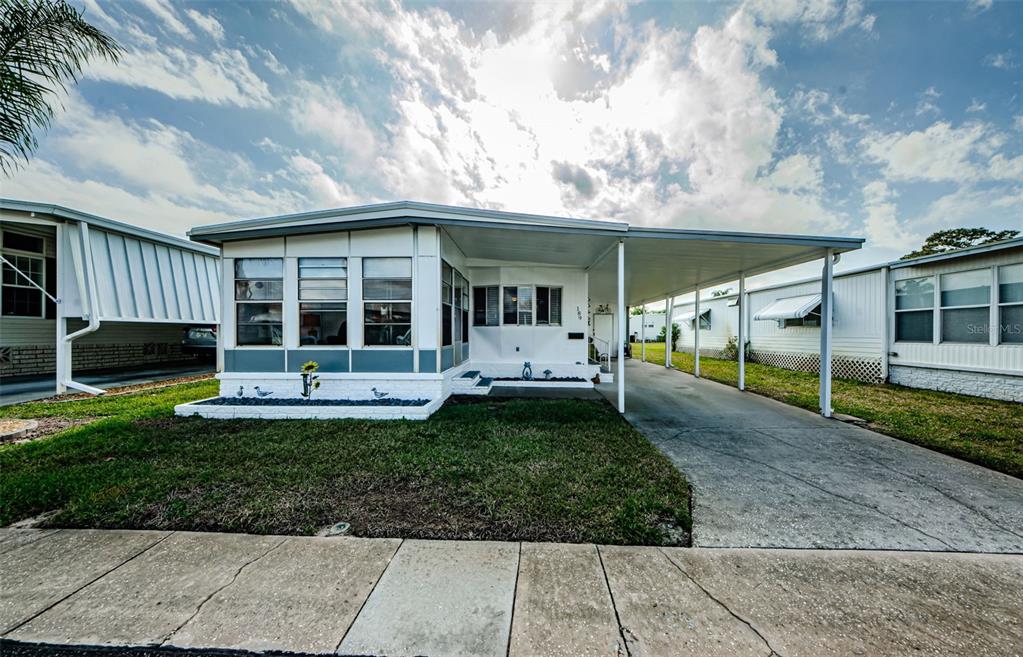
224 77
927 102
976 106
798 173
980 5
168 16
1003 60
881 222
820 19
938 153
664 128
207 24
324 190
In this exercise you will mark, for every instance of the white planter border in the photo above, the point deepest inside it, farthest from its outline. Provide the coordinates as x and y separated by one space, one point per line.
541 384
228 412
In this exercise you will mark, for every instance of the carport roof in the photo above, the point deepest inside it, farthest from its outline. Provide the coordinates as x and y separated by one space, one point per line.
658 261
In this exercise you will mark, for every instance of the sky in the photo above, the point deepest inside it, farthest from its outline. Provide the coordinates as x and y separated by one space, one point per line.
886 121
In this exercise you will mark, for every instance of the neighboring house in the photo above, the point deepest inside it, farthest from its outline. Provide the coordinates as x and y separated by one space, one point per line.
950 322
126 294
654 325
416 301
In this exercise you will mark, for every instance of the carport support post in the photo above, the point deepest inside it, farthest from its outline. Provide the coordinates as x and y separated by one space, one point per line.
826 312
642 332
622 323
696 335
742 331
668 303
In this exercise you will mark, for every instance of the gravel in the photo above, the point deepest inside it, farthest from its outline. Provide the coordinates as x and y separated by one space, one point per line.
299 401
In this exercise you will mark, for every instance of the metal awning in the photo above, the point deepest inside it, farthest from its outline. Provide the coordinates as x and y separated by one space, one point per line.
691 315
790 308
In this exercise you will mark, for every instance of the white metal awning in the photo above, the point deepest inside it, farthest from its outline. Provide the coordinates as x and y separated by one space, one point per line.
691 315
790 308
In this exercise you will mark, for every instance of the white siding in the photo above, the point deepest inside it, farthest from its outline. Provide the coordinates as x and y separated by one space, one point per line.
724 324
859 320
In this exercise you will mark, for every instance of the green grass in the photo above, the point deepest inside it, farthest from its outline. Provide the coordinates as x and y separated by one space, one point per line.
984 431
544 470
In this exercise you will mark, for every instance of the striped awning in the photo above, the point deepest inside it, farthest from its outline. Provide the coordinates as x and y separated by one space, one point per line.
790 308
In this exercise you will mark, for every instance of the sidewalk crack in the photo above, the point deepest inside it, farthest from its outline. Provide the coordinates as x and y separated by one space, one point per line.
209 597
622 630
772 652
515 595
390 559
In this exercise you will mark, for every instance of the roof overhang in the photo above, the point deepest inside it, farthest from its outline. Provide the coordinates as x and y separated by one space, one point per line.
789 308
659 262
60 212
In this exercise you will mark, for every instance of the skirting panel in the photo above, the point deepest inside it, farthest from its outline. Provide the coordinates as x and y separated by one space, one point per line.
858 369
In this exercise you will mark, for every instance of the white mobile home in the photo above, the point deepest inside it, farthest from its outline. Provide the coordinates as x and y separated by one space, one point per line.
81 292
950 322
410 302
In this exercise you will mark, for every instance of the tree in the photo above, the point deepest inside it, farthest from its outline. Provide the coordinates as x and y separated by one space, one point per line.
636 311
676 333
954 239
44 44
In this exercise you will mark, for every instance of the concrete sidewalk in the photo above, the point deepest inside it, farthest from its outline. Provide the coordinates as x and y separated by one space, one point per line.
453 598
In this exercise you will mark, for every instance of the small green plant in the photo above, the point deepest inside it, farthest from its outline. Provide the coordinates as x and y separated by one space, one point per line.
310 381
676 333
731 349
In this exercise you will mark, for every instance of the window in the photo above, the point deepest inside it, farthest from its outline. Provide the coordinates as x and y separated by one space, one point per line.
705 321
1010 304
258 293
518 305
446 288
966 306
812 318
387 301
323 301
21 298
548 306
914 310
465 311
485 306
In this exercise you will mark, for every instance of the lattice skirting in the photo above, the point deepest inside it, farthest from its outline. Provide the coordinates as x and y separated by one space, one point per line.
859 369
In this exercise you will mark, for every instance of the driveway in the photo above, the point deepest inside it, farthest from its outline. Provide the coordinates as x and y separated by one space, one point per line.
20 389
765 474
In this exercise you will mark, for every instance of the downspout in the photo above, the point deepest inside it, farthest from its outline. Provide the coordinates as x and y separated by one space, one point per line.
88 281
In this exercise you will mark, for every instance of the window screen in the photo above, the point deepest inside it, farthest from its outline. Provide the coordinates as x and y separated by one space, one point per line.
387 301
323 296
965 302
548 306
485 306
1010 304
914 314
258 294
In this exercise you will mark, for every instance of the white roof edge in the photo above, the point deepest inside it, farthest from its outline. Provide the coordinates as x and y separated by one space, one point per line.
71 214
399 209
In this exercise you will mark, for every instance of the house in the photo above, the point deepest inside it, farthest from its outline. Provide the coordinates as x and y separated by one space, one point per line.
951 322
82 292
408 302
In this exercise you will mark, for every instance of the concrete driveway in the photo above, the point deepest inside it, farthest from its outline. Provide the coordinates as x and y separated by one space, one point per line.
765 474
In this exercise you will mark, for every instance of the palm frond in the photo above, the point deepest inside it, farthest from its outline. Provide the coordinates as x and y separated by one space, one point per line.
44 46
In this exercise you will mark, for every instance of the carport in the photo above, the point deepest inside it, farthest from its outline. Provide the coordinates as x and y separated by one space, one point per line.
647 265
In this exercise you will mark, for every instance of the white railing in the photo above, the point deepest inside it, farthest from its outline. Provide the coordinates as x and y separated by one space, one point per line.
606 355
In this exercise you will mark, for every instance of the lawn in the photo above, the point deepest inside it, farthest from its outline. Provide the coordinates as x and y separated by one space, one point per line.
536 470
984 431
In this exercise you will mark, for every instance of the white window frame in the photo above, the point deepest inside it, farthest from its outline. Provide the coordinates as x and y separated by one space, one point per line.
518 312
410 301
932 309
472 300
536 305
939 337
11 254
237 302
996 308
300 300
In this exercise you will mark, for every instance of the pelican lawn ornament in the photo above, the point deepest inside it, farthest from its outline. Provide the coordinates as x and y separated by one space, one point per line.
527 371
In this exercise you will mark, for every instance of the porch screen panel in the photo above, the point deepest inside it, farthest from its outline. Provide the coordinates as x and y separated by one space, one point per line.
258 294
446 289
387 301
323 301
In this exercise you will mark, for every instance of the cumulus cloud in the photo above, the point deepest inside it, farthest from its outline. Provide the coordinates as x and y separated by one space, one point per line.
1003 60
882 223
940 152
535 117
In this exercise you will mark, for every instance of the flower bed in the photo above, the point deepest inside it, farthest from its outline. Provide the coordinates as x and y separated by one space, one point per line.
280 401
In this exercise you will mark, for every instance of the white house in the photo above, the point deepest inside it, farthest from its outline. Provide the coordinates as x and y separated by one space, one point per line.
83 292
950 322
411 301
